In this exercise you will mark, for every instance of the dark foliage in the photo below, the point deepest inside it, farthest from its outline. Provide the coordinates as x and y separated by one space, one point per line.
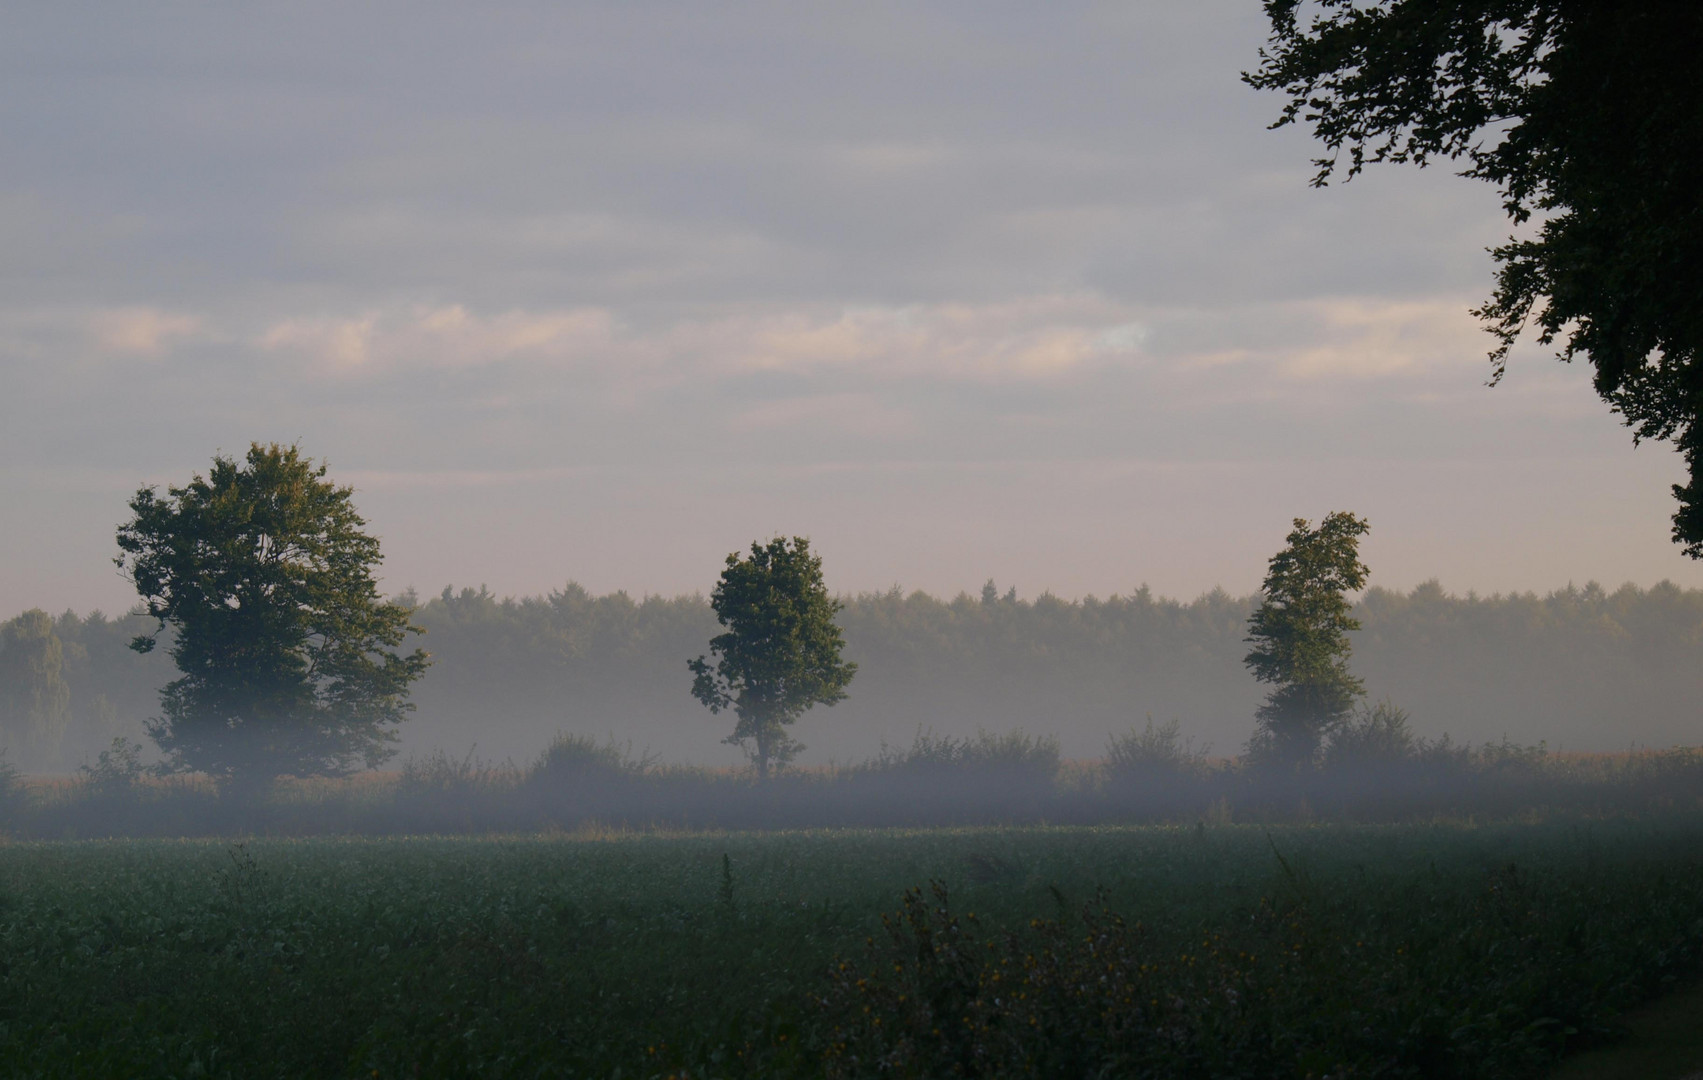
1434 976
1357 951
1300 642
1587 116
779 652
284 647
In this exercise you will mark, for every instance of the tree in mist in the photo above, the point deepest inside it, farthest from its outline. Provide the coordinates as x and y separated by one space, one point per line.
287 652
781 652
1300 644
35 701
1586 116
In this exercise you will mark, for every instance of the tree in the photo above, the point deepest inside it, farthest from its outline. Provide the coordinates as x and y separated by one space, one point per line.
1300 638
1586 115
35 701
286 649
781 652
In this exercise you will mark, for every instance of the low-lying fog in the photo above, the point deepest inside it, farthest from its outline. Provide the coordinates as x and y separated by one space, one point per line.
1581 669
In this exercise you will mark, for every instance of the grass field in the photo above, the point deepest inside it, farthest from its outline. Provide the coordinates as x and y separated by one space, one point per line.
1337 950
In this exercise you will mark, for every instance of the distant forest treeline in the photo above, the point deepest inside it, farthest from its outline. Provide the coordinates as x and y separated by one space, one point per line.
1579 668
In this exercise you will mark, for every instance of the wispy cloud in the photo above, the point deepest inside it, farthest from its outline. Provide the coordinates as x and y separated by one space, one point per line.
1337 341
438 337
141 330
853 355
1039 338
1368 338
330 345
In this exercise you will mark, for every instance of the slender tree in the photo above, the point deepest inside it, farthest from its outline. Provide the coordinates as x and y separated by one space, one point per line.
781 652
287 652
1300 644
1587 116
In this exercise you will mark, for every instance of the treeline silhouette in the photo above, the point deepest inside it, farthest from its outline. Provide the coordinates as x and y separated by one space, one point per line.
1580 668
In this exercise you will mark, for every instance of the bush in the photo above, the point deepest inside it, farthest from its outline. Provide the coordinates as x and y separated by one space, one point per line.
1035 756
438 774
1444 754
1508 756
1016 753
117 773
578 759
1151 752
1375 735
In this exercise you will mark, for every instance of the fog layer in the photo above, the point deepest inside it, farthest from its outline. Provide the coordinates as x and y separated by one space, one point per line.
1578 668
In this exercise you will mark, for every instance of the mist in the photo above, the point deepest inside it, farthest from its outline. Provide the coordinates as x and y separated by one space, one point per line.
1576 669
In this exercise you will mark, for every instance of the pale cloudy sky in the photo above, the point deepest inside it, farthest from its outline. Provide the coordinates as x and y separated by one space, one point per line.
604 291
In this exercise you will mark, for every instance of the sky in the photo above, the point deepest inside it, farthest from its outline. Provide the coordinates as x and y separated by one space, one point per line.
601 292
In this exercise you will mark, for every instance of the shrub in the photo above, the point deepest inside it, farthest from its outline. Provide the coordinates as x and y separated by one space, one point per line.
117 773
439 774
1444 754
1018 752
928 751
1152 751
579 759
1374 735
1508 756
1013 753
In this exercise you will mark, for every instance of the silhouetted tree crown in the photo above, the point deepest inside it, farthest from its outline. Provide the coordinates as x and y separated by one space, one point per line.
287 653
1299 635
781 652
1585 114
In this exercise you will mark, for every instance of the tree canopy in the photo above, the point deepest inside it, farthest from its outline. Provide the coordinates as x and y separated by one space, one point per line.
781 652
1587 116
287 652
1299 635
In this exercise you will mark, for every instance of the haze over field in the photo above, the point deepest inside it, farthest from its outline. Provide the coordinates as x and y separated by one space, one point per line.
1579 669
605 292
757 539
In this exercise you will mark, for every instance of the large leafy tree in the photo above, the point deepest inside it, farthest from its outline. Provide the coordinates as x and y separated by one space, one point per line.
781 652
289 656
1299 635
1588 116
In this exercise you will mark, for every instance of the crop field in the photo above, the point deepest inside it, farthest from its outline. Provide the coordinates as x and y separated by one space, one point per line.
1207 950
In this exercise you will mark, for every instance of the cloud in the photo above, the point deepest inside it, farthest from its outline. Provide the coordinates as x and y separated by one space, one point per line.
437 337
861 415
1123 338
863 358
1343 340
1362 338
331 345
853 355
141 331
1024 340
